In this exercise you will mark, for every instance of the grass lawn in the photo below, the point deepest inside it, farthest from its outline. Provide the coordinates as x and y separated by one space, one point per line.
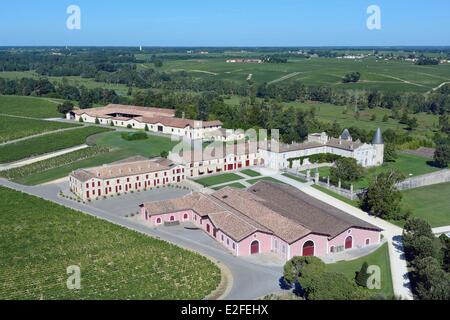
12 128
270 179
219 179
408 164
39 240
250 173
46 144
151 147
379 258
28 107
337 196
235 185
430 203
291 176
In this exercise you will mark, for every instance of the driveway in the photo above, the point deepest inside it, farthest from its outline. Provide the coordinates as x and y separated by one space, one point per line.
251 279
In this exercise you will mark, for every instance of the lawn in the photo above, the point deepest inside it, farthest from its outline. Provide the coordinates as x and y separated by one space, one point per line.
354 203
12 128
270 179
291 176
378 258
151 147
46 144
250 173
408 164
235 185
39 240
28 107
430 203
219 179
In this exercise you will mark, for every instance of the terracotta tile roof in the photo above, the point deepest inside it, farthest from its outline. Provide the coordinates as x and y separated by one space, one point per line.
303 209
123 168
179 123
218 150
266 207
126 109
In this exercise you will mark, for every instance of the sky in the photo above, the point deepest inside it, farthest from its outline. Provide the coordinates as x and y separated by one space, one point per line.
225 23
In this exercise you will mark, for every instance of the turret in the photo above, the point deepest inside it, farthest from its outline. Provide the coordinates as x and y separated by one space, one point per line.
378 144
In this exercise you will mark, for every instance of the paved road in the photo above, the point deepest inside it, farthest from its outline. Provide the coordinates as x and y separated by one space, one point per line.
251 280
392 233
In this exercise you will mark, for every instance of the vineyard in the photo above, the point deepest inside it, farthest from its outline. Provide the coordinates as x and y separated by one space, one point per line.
12 128
40 239
38 167
46 144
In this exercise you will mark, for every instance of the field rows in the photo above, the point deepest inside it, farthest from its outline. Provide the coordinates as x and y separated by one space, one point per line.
39 240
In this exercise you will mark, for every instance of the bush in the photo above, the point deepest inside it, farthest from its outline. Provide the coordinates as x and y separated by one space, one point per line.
133 136
129 126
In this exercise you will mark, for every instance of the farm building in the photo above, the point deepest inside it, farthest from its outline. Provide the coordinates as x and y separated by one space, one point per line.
267 217
278 156
132 174
155 119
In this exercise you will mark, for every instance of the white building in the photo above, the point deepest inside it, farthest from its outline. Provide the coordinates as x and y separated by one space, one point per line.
157 120
276 156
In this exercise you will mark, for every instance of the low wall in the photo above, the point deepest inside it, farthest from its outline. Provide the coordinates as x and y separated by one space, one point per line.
425 180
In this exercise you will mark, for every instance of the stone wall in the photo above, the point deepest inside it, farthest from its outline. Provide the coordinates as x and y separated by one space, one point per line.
425 180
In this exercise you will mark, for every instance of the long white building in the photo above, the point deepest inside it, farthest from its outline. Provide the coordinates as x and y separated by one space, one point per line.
156 120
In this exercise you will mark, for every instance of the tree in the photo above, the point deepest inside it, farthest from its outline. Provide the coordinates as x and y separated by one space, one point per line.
129 126
362 276
97 121
385 118
294 268
146 128
390 153
419 240
164 154
373 117
412 123
346 169
442 155
65 107
81 119
431 282
351 77
158 63
382 198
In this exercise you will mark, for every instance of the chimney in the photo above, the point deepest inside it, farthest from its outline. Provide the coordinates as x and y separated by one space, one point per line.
183 115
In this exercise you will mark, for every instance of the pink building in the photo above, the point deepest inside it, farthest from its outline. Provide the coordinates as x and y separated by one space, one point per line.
267 217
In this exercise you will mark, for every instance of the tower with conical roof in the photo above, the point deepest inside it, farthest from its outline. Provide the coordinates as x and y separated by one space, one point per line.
378 144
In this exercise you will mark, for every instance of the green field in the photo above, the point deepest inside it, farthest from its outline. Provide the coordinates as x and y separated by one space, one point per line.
430 203
119 150
40 240
219 179
28 107
382 75
378 258
235 185
250 173
12 128
408 164
46 144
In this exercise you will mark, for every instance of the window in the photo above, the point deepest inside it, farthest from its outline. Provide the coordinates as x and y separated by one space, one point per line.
185 217
367 241
158 221
234 245
332 249
172 218
222 238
